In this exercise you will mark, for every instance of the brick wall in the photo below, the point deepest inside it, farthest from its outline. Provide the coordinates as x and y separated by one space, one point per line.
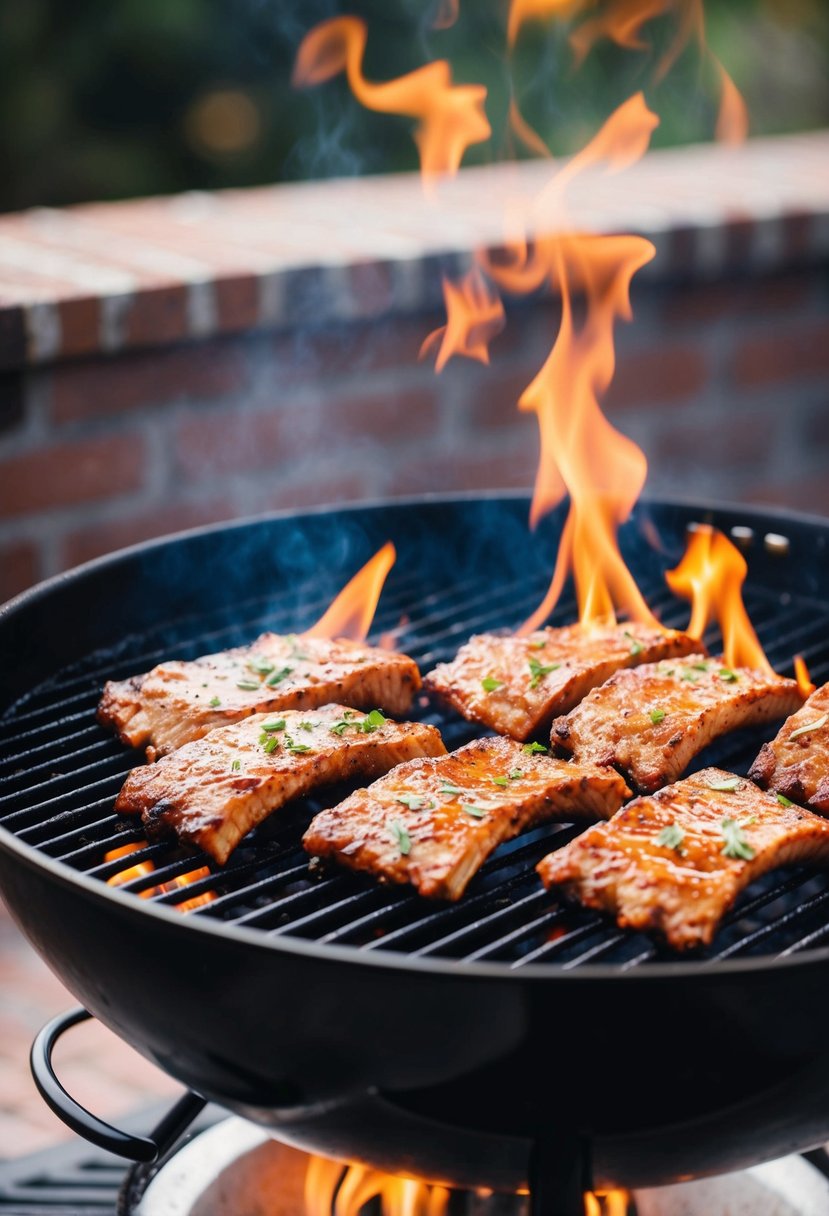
721 379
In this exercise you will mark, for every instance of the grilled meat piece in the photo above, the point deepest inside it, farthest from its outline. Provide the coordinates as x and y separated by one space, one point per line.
178 702
651 721
796 763
213 791
516 685
433 823
674 862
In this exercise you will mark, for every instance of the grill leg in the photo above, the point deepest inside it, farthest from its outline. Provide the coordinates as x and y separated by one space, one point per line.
559 1174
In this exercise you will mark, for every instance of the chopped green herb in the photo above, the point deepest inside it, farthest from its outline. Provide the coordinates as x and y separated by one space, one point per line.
278 676
538 672
339 727
477 812
538 645
725 787
372 722
262 667
296 747
816 725
214 701
736 845
489 684
306 726
274 724
671 837
532 748
248 685
414 802
515 774
666 671
504 781
236 766
401 837
448 790
783 800
701 666
689 675
730 677
271 743
656 716
636 647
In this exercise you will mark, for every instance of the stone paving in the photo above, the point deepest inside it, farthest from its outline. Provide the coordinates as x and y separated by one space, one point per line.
103 1073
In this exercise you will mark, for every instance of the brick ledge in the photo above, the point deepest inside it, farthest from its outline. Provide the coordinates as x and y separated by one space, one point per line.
103 278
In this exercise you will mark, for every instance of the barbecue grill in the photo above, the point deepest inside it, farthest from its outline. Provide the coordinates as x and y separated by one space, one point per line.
504 1041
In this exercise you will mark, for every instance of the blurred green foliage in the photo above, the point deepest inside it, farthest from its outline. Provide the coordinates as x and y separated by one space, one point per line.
116 98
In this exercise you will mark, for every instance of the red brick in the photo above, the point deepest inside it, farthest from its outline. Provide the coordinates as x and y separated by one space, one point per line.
98 387
386 343
157 316
810 493
237 302
318 492
701 303
744 441
19 568
85 543
666 373
69 473
782 354
467 471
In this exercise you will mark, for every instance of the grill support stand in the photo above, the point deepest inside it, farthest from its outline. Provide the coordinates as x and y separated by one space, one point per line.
559 1174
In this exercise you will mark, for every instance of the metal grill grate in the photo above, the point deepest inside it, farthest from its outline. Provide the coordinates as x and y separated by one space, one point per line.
60 773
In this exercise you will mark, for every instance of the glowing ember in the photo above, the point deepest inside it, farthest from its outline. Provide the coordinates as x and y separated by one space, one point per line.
352 612
344 1190
142 868
801 674
711 575
474 315
451 117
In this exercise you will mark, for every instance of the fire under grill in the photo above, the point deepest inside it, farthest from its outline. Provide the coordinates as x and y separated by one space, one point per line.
61 771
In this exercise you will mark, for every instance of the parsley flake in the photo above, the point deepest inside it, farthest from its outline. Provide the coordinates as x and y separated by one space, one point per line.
477 812
783 800
504 781
269 743
236 766
291 746
725 787
415 802
401 837
539 644
489 684
306 726
636 647
532 748
248 685
539 671
727 674
515 774
656 716
804 730
736 845
701 665
215 702
689 675
671 837
274 724
372 722
278 676
450 791
262 666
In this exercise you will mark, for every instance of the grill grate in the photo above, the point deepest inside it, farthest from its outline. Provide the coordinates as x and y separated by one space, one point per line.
60 773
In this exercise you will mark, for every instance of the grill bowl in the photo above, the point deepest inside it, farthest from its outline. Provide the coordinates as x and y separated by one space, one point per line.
358 1020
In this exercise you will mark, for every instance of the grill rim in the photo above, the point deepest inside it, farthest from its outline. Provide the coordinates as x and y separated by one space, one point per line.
674 970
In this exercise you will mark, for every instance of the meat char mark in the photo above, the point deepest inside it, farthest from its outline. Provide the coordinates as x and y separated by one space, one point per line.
796 763
178 701
517 685
433 823
674 862
651 721
211 792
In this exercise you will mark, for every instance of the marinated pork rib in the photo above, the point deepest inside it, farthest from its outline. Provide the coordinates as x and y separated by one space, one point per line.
433 823
674 862
796 763
178 702
651 721
516 685
213 791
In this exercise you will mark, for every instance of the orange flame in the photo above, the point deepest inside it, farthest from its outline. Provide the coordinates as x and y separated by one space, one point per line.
527 134
474 316
142 868
451 117
331 1186
801 674
352 612
711 575
522 11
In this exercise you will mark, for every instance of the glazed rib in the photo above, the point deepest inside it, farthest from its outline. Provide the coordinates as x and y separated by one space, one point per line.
211 792
516 685
796 763
178 702
433 823
652 720
674 862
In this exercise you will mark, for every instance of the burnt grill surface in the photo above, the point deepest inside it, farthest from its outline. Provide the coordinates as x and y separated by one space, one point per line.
60 773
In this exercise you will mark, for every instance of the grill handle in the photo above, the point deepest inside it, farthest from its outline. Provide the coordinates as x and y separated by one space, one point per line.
96 1131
